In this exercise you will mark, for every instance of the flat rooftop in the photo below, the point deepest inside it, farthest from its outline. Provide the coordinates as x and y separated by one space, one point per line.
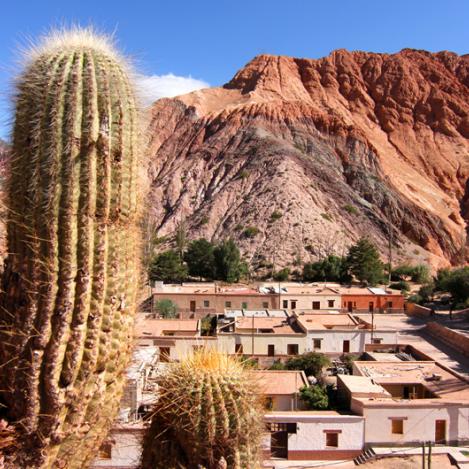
160 327
437 379
312 321
270 325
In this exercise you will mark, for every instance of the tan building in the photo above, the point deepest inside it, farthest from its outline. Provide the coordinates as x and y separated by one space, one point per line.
341 333
264 336
196 300
408 402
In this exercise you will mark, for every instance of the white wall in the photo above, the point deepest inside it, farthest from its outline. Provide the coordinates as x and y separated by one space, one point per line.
333 340
310 434
261 342
420 423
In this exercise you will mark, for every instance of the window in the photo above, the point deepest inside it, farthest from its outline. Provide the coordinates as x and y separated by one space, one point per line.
317 344
244 305
330 303
206 303
397 426
227 304
292 349
390 304
285 304
105 451
316 305
265 305
332 439
377 341
293 304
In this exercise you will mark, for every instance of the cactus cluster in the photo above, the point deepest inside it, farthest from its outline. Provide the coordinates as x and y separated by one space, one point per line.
208 414
70 279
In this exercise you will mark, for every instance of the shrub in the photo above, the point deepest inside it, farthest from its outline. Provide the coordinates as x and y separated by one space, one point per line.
351 209
166 308
402 285
311 363
250 231
282 275
326 216
315 397
275 215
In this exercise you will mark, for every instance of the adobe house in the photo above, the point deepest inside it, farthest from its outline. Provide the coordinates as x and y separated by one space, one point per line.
367 300
273 337
281 388
340 333
408 402
314 435
196 300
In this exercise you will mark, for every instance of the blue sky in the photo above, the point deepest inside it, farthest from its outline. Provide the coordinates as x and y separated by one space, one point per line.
210 40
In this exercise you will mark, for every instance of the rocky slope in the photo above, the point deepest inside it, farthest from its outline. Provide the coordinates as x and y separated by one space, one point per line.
309 155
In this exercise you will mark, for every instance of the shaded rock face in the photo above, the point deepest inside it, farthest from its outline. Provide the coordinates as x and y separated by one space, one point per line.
316 153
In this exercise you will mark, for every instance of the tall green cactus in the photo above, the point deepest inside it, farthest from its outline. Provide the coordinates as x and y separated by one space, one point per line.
208 414
70 280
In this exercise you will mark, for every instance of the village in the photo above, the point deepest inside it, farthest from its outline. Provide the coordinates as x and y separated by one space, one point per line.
348 374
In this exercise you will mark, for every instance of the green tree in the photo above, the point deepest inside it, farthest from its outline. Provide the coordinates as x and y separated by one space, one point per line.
311 363
166 308
200 259
364 263
458 285
315 397
167 267
332 269
227 261
282 275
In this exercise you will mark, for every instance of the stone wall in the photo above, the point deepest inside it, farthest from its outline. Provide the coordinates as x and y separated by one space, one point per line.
454 339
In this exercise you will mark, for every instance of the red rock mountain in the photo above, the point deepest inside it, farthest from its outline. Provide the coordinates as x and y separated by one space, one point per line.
298 158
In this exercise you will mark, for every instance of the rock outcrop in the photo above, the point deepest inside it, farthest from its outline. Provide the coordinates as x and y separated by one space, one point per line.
313 154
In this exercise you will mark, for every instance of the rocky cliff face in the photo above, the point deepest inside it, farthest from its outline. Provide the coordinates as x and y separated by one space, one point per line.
298 158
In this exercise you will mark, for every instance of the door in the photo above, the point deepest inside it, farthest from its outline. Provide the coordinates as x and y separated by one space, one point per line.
440 431
239 348
164 354
271 350
350 307
279 444
192 306
346 346
371 306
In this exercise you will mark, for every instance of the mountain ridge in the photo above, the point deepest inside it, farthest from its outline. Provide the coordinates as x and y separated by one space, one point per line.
343 146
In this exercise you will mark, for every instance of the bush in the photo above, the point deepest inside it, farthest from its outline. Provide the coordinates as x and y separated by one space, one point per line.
311 363
315 397
351 209
326 216
282 275
402 285
166 308
275 215
250 231
277 365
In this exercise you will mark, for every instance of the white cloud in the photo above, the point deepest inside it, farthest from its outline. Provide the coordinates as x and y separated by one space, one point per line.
155 87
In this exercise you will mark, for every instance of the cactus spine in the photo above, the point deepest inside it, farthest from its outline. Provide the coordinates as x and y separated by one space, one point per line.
208 414
70 279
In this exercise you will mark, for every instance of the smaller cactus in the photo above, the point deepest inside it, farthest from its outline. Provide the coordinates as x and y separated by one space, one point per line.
208 414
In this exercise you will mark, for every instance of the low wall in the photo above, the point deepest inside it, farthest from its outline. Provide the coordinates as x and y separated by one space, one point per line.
413 309
453 339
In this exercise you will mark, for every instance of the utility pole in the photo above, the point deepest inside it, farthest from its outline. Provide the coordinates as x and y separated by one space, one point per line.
429 455
252 337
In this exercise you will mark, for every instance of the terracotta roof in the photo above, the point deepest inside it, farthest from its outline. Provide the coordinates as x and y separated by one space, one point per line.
280 382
